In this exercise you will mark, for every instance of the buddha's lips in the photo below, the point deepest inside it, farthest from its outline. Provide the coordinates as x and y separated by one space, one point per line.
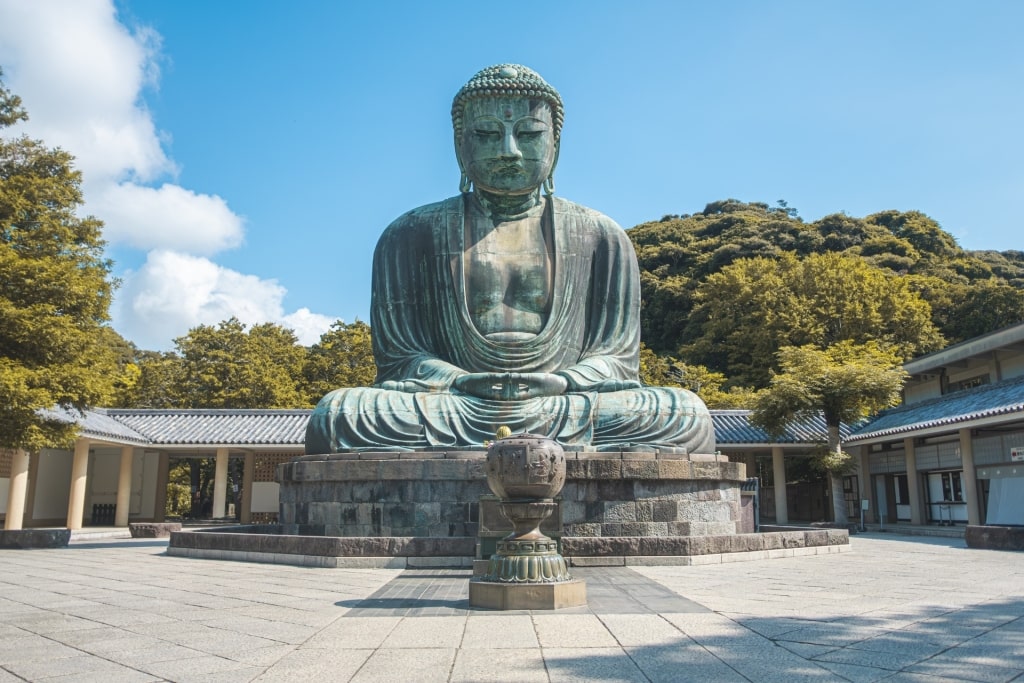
507 169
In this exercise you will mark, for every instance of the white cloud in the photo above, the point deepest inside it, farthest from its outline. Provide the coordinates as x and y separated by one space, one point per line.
173 292
80 73
167 217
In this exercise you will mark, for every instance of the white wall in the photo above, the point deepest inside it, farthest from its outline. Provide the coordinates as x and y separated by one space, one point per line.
104 469
1012 367
1006 501
144 476
921 392
265 496
54 484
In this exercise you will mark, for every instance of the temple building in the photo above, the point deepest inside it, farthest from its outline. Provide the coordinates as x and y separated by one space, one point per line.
951 454
953 451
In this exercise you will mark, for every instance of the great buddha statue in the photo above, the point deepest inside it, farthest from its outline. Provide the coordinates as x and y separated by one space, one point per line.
506 306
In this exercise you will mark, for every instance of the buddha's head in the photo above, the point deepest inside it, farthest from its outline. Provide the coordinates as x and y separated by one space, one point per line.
507 122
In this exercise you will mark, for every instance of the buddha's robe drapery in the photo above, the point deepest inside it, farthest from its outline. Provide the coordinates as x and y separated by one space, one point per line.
424 337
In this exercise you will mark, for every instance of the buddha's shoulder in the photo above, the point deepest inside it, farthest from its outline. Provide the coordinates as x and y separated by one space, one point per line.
429 212
424 218
595 220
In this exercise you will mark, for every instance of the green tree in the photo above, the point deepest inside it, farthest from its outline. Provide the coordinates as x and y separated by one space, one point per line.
754 307
984 307
55 291
342 358
159 382
679 252
665 371
227 367
845 382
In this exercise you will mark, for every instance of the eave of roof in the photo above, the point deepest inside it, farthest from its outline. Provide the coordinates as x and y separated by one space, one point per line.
979 346
98 425
238 428
733 427
987 402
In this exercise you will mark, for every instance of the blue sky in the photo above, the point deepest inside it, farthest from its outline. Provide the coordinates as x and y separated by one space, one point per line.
246 155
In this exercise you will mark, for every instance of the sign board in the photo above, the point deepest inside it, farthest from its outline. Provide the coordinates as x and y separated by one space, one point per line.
1017 454
865 504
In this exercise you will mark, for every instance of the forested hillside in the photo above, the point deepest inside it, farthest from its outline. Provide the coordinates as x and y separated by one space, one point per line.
726 287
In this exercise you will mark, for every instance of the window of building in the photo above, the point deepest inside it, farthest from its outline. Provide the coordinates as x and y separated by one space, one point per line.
902 489
969 383
952 489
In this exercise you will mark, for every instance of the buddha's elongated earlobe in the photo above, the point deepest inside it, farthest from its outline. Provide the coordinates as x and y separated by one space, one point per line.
465 184
549 182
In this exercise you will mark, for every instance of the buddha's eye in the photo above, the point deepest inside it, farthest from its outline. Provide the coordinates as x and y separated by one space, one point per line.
487 135
529 135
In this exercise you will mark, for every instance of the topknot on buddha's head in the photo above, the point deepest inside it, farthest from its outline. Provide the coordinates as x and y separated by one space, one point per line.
508 80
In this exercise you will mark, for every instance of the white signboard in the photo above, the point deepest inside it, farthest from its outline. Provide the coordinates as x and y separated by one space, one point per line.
1017 454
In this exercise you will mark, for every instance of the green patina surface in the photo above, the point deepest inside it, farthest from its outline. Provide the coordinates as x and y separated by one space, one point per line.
507 306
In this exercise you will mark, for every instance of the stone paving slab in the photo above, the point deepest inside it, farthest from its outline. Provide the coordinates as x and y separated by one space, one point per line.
892 609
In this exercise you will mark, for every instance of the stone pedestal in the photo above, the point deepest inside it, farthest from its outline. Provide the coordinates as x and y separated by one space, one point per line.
526 571
509 596
445 494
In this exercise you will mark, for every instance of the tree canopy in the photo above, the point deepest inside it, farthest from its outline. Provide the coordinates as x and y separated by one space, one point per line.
263 366
55 291
751 308
845 382
680 252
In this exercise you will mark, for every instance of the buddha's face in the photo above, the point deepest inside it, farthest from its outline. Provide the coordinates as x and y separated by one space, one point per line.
508 144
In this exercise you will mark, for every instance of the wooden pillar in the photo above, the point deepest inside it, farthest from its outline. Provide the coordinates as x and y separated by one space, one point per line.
76 496
220 483
913 482
970 477
163 470
124 486
779 476
17 490
33 484
864 483
248 473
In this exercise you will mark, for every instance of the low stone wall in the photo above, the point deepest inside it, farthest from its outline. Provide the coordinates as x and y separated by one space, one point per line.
269 544
438 493
264 543
995 537
701 545
35 538
153 529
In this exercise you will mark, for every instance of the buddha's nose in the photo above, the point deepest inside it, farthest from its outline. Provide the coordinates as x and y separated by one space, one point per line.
509 147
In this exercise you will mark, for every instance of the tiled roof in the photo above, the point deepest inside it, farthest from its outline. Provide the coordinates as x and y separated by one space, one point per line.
217 427
988 400
733 427
287 428
97 423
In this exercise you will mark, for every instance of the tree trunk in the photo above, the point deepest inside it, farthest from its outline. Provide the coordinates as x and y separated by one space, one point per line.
835 478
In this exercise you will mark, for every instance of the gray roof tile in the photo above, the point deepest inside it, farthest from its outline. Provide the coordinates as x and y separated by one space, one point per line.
217 427
987 400
287 428
97 423
733 427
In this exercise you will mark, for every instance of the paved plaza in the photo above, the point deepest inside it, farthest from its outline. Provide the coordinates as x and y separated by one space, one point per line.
895 608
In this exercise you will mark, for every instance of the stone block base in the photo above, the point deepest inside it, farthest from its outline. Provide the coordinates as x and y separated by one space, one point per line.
35 538
995 537
516 596
153 529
